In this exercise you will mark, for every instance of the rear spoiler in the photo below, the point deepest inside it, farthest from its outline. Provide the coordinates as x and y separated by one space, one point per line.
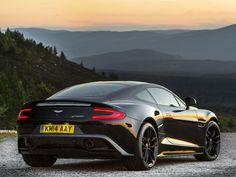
65 102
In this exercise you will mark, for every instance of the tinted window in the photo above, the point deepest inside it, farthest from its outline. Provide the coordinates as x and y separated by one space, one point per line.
163 97
89 90
145 96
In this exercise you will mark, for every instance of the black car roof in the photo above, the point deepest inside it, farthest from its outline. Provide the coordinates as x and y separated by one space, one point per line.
128 83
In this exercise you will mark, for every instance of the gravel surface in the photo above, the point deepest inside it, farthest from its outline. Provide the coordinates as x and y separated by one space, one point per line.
11 164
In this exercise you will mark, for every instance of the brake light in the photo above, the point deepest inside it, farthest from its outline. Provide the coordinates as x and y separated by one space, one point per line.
102 113
24 113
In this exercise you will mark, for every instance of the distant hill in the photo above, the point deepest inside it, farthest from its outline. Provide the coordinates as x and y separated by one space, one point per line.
31 71
150 61
216 44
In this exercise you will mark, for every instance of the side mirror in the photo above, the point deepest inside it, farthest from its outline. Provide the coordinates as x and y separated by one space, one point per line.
190 101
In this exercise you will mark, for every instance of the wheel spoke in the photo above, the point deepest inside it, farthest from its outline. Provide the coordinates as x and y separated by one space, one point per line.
208 133
151 150
151 155
207 137
144 140
212 150
215 145
154 139
216 137
149 133
153 146
146 154
213 133
209 148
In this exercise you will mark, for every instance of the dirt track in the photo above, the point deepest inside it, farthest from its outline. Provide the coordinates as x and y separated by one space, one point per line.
11 164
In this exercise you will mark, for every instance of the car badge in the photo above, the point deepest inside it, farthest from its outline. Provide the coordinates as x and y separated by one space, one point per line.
58 111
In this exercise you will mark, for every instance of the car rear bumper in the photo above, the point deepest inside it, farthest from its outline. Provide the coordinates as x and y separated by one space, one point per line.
68 146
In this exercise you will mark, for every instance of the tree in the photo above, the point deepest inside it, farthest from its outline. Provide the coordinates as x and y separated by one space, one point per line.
54 50
114 76
81 64
50 50
40 45
3 110
21 91
94 70
62 55
103 74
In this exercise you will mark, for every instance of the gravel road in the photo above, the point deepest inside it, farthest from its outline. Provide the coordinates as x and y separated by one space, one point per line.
11 164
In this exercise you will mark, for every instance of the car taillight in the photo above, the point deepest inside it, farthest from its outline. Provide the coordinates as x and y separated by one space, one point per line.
103 113
24 113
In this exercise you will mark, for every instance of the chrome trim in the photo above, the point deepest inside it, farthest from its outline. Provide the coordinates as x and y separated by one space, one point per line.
63 104
177 142
114 144
160 126
186 119
58 111
177 153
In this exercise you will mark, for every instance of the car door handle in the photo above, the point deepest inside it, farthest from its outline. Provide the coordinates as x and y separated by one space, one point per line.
176 111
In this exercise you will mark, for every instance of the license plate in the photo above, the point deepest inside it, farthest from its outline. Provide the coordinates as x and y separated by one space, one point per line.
57 128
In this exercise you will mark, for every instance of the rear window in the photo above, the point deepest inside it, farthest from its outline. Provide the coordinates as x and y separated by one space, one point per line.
89 90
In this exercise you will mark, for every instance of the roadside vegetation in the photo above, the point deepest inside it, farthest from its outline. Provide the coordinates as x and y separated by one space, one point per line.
30 71
4 134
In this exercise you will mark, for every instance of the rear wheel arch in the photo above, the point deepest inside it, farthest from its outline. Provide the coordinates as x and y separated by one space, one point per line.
151 121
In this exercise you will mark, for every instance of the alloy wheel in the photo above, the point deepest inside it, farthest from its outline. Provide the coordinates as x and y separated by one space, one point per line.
213 141
149 146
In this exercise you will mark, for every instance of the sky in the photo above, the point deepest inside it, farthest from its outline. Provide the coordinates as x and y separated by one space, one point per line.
117 14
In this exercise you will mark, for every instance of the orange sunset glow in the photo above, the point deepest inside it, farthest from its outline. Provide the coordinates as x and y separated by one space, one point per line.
114 14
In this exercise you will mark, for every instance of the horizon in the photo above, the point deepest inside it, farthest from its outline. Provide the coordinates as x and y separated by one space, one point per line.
110 15
114 30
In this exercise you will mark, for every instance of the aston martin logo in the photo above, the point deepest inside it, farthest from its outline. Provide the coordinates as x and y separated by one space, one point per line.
58 111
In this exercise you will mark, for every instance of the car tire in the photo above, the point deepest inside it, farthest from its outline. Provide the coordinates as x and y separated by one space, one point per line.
146 149
212 143
39 160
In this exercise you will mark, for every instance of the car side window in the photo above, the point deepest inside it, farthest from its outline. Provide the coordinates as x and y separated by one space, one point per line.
145 96
181 103
163 97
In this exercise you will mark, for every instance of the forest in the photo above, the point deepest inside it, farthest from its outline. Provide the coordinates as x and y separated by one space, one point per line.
32 71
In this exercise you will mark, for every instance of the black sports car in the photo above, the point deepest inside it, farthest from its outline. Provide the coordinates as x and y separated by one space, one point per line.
135 121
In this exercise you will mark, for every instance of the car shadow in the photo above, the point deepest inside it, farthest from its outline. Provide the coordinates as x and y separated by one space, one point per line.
89 166
108 165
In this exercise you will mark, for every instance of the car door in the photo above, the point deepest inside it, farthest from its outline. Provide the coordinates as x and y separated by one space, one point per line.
180 124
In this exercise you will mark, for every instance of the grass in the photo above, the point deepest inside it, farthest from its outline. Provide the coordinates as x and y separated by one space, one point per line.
227 122
4 134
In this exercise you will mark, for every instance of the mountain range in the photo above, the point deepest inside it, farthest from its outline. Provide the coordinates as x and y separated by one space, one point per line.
153 62
214 44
